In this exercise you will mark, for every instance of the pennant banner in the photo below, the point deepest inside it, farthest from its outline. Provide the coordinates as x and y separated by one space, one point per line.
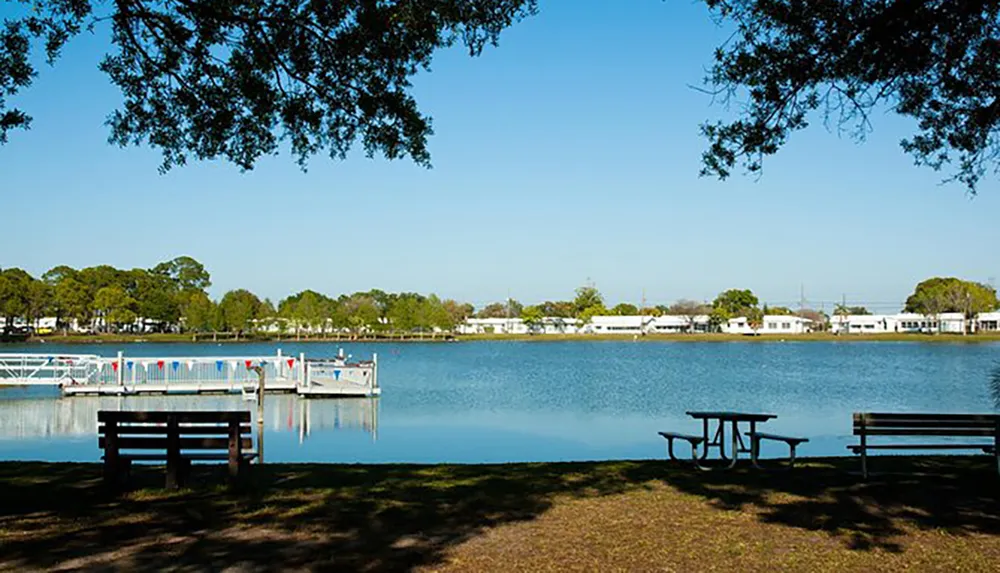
290 361
176 364
249 363
114 366
159 364
218 365
129 364
190 364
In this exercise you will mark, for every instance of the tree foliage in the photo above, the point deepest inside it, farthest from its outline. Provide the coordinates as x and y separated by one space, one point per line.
937 62
733 303
937 295
587 297
625 309
214 79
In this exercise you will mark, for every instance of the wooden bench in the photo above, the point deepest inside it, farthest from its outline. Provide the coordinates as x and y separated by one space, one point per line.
695 441
868 425
756 437
178 438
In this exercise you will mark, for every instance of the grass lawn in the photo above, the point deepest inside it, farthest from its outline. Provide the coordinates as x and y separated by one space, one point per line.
935 514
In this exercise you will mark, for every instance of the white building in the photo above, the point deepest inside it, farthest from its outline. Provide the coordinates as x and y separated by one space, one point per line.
672 323
618 324
863 323
556 325
987 322
946 322
771 324
493 326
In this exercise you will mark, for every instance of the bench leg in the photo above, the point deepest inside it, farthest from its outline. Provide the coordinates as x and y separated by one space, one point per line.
864 462
670 451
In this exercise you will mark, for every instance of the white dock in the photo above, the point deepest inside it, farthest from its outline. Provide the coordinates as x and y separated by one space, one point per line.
92 375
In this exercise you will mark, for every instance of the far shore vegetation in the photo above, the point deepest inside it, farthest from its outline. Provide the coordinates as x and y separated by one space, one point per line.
229 337
169 302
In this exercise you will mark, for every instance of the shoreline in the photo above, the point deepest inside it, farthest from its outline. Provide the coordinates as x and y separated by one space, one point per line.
979 338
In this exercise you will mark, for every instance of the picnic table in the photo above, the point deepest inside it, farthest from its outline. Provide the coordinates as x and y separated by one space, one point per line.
718 441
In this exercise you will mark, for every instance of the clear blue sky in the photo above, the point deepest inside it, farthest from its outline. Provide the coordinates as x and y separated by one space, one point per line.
570 152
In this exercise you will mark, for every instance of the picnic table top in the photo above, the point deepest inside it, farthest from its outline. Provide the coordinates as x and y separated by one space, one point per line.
728 416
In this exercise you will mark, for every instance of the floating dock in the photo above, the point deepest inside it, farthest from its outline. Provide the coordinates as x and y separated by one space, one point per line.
84 374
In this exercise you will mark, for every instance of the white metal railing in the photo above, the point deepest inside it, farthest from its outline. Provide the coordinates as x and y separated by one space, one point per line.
325 372
84 373
48 369
232 372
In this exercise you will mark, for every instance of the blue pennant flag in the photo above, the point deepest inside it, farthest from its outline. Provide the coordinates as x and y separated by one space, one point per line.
218 365
175 364
129 364
336 374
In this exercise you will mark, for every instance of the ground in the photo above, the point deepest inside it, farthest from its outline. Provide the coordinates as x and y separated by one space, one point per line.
926 514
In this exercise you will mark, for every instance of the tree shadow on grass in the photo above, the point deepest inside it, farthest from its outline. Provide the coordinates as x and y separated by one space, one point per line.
945 493
398 517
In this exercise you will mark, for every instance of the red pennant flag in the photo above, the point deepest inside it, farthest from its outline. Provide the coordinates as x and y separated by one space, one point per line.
159 364
290 362
249 362
115 366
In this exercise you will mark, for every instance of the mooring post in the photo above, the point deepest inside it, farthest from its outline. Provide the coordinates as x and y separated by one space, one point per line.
120 371
260 412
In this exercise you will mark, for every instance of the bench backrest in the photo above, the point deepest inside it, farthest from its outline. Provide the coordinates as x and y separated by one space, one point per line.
196 430
916 424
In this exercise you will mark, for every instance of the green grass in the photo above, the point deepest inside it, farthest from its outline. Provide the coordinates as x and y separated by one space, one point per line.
931 513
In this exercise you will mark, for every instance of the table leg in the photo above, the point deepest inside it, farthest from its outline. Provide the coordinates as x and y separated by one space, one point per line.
704 428
721 435
754 445
736 440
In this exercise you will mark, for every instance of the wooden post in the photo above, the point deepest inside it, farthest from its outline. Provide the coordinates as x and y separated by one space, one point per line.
173 453
111 463
864 446
235 455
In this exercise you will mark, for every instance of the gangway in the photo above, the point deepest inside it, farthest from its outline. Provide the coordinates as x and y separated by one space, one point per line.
90 374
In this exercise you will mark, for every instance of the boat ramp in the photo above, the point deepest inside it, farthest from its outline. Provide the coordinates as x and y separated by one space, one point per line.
86 374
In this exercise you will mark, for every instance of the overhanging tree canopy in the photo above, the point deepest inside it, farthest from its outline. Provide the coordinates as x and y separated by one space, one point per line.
225 79
936 61
231 79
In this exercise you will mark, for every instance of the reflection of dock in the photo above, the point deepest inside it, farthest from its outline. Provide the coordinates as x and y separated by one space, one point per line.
33 417
337 414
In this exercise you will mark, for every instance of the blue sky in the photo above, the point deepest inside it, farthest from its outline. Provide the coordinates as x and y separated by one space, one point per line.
570 152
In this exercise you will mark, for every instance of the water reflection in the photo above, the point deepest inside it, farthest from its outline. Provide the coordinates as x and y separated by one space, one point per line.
30 415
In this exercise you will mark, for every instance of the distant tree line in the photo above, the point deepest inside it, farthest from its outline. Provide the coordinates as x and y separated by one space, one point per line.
172 296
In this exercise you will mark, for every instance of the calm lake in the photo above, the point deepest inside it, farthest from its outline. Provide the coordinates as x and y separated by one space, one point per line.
538 401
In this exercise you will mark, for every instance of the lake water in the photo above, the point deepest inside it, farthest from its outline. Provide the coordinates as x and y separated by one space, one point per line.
539 401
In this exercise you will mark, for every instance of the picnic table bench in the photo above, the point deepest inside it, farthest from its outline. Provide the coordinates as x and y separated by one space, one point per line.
707 440
868 425
177 438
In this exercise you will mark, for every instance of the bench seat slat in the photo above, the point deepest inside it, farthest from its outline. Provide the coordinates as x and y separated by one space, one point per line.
938 446
957 432
196 457
128 443
678 436
194 416
127 429
926 424
778 437
923 416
